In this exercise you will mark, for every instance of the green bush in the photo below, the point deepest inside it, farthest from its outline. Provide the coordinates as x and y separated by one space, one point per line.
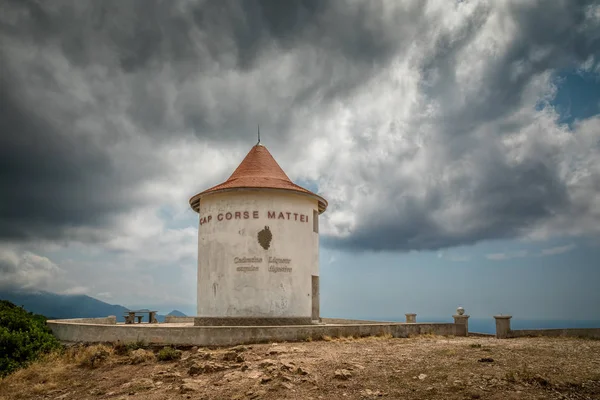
168 354
24 337
123 349
140 344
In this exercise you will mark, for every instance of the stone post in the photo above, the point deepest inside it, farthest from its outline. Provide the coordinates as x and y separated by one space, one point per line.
462 320
502 326
411 318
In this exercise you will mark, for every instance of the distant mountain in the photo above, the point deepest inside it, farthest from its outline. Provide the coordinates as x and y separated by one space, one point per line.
58 306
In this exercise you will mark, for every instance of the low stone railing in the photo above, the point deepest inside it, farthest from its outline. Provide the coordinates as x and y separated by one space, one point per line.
107 330
503 331
336 321
110 320
174 319
185 334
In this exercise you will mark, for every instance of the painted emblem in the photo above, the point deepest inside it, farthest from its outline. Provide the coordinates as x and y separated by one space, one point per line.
264 238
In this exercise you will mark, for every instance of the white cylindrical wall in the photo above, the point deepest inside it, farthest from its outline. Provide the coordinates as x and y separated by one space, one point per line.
237 277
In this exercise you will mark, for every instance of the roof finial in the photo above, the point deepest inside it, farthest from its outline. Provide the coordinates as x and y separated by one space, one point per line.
258 135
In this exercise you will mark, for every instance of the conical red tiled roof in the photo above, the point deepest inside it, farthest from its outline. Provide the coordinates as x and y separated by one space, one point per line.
258 170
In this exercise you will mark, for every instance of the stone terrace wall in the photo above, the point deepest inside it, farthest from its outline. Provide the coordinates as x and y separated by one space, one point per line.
353 321
229 336
591 333
173 319
110 320
503 330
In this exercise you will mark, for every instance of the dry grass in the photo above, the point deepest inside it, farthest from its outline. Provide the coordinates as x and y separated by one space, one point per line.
380 336
427 367
384 336
90 356
38 371
41 376
141 356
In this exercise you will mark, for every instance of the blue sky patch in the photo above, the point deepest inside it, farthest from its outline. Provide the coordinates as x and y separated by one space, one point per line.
577 97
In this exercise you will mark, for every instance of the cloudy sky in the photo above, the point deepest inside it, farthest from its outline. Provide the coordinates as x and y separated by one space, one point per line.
458 144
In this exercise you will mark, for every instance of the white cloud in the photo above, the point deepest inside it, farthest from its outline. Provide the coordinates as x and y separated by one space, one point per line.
76 290
507 255
557 250
26 270
459 257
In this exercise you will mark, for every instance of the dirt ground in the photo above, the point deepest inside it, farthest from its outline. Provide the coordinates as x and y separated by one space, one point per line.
341 368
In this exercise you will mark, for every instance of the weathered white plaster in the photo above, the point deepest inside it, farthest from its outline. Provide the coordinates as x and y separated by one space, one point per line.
228 287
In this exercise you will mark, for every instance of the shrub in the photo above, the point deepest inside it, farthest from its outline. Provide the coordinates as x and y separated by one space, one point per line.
24 337
140 355
168 354
92 356
120 348
140 344
123 349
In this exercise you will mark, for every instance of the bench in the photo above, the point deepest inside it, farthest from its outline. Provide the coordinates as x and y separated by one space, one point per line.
131 315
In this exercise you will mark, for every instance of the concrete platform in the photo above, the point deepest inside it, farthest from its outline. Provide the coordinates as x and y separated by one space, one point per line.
95 330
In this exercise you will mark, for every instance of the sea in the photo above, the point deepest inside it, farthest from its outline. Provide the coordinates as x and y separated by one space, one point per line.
488 325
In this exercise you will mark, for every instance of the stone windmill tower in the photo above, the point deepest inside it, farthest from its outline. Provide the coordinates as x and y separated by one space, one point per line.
258 247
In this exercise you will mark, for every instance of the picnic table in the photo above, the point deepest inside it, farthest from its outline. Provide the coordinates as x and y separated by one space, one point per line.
131 315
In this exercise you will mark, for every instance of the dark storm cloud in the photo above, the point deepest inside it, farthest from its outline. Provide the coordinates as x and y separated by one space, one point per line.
549 36
52 180
142 38
503 198
93 91
503 201
57 175
7 267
